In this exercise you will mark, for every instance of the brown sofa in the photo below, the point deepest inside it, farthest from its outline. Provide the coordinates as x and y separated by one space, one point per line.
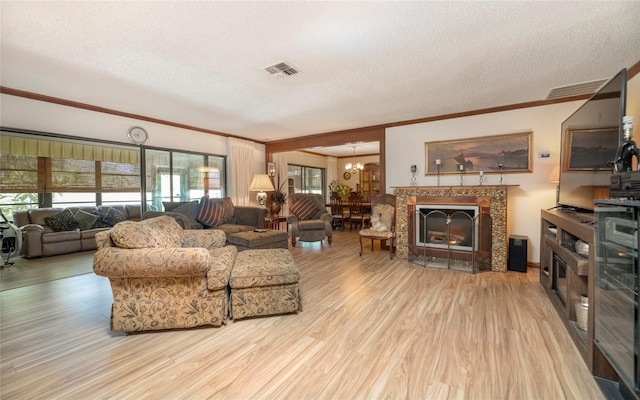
235 219
40 239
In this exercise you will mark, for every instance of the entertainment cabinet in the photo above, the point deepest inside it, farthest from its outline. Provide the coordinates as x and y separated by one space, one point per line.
568 278
616 276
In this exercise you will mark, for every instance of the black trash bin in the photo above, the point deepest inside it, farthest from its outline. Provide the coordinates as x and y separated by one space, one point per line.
517 253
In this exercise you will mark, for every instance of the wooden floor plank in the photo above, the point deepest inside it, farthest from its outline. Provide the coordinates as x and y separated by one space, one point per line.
370 328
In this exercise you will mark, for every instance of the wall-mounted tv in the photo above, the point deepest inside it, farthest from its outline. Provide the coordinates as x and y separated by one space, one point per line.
589 142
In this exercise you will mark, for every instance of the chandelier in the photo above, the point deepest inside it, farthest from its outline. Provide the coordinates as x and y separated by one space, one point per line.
354 166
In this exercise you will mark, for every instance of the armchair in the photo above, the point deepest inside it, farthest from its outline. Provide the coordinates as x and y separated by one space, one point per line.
383 218
309 219
164 277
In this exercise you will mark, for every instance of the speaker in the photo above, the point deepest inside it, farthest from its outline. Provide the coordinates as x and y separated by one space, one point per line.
517 253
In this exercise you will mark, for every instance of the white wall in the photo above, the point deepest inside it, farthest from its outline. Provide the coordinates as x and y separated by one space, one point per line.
405 146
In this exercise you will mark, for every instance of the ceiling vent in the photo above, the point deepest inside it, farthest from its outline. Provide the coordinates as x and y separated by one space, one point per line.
575 90
281 69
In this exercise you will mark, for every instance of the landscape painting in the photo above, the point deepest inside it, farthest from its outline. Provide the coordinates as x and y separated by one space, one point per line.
591 149
500 153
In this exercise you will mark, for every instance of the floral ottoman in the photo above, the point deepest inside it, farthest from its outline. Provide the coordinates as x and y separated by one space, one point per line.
264 282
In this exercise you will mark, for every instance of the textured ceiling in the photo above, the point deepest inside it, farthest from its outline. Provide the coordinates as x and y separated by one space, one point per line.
361 63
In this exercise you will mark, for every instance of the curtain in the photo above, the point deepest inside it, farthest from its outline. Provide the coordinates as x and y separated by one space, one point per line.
23 146
241 156
332 174
282 177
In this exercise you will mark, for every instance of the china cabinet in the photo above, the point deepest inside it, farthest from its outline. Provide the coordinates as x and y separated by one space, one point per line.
370 181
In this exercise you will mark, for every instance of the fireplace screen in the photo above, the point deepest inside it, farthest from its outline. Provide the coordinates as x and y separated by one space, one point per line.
445 226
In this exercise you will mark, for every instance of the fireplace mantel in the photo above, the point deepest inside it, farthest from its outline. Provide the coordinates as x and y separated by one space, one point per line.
498 212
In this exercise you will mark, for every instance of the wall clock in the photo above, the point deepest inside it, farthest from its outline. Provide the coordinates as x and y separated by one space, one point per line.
347 175
138 135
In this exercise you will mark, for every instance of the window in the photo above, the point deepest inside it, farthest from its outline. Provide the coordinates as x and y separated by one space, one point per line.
174 176
306 179
19 183
46 171
19 173
72 199
114 177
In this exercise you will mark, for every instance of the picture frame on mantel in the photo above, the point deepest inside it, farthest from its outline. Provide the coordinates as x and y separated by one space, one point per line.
590 149
488 154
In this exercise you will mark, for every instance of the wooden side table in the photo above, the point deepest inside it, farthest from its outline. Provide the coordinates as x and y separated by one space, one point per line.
274 221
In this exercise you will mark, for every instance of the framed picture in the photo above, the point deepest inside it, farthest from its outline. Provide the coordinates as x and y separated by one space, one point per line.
500 153
271 169
590 149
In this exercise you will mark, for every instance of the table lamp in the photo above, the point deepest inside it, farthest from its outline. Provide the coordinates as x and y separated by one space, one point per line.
261 183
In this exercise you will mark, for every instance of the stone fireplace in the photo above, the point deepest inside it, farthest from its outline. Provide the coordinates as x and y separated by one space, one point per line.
475 231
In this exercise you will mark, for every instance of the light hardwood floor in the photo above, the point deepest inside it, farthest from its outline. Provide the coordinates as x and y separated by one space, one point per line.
31 271
371 328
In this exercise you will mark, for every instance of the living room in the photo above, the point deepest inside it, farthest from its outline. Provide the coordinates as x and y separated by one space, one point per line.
322 351
529 189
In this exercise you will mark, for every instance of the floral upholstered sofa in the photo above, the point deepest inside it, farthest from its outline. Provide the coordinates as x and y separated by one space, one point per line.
164 277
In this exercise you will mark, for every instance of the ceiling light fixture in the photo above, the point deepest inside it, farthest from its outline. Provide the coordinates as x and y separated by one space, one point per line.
354 166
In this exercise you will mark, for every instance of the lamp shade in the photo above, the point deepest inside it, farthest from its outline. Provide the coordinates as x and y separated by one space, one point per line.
261 183
555 174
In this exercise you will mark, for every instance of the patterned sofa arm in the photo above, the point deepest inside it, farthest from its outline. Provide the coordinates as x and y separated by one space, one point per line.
206 238
114 262
181 219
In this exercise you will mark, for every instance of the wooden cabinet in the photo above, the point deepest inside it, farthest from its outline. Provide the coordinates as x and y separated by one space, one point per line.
617 280
567 275
369 181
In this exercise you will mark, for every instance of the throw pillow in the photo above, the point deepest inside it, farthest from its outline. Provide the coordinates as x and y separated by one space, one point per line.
172 205
62 221
306 208
229 211
100 221
211 213
113 216
376 224
85 219
190 210
386 214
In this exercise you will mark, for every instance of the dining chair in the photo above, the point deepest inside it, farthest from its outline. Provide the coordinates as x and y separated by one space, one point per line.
358 212
339 211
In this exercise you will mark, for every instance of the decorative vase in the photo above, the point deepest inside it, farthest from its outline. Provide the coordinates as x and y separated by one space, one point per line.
275 208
